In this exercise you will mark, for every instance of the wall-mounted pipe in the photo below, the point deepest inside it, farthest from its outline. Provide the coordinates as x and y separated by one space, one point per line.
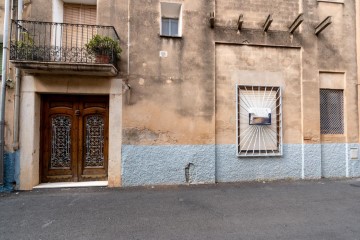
17 88
128 45
3 86
358 58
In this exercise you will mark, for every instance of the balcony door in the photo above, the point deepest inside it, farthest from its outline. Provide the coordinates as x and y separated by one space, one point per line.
74 138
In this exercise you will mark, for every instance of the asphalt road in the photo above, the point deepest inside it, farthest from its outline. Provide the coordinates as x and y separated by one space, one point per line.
278 210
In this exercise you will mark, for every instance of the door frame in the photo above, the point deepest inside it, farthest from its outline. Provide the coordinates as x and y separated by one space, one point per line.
31 89
78 172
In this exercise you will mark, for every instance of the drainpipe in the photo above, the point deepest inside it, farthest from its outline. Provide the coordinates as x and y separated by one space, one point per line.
3 86
357 7
128 45
17 88
127 89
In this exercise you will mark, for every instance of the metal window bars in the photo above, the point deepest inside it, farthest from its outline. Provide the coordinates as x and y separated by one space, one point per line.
259 121
58 42
331 111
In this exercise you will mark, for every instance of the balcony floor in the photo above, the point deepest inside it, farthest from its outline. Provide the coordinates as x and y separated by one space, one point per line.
66 68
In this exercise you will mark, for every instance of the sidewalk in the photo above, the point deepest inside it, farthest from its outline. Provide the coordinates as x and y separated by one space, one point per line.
279 210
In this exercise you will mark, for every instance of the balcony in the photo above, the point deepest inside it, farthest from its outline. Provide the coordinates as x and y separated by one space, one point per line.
63 48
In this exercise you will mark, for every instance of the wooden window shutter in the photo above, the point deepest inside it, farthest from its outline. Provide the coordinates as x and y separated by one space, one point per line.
77 36
80 14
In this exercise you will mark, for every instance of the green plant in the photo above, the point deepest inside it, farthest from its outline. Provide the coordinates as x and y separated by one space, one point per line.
25 46
26 49
103 45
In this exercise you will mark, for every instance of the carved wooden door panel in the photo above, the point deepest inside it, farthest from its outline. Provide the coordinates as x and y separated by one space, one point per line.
74 138
93 152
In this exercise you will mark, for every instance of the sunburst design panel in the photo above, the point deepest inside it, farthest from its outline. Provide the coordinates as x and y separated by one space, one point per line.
259 121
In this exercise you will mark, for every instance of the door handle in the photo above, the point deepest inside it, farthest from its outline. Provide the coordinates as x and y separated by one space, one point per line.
77 112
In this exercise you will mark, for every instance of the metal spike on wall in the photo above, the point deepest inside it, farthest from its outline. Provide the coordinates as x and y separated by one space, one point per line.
267 23
240 22
323 25
212 20
297 22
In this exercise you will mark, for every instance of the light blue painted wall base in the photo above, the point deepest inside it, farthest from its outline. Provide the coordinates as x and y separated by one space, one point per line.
9 171
165 165
333 160
230 168
311 161
354 164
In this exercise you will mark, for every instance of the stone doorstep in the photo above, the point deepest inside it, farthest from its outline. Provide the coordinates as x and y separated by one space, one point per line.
72 184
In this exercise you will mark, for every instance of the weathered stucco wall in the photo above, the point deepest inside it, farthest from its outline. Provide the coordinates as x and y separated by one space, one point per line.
230 168
171 99
337 54
169 112
257 66
2 12
10 92
115 13
294 62
170 164
179 113
255 13
40 10
298 161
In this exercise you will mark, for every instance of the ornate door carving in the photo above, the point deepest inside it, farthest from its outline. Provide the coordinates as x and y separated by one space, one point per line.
60 156
74 138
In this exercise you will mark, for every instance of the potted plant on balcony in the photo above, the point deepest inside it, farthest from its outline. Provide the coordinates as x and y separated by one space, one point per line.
24 47
104 49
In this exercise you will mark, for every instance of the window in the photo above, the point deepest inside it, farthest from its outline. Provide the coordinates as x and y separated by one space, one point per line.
171 19
170 27
259 118
331 111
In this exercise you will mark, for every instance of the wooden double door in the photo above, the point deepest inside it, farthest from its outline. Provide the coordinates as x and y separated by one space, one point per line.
74 138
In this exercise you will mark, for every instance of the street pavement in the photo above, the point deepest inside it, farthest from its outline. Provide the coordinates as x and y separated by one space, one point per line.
324 209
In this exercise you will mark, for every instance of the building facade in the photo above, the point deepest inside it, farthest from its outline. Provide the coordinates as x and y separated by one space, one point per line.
203 91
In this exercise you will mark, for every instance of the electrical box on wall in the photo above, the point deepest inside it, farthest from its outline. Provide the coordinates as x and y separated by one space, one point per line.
354 153
163 54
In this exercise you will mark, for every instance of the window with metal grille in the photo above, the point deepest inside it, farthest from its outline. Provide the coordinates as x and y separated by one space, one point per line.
331 111
259 121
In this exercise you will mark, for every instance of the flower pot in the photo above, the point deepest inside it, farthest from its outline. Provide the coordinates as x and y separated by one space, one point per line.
102 59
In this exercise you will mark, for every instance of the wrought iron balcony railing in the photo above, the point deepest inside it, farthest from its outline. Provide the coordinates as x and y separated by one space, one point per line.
63 43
